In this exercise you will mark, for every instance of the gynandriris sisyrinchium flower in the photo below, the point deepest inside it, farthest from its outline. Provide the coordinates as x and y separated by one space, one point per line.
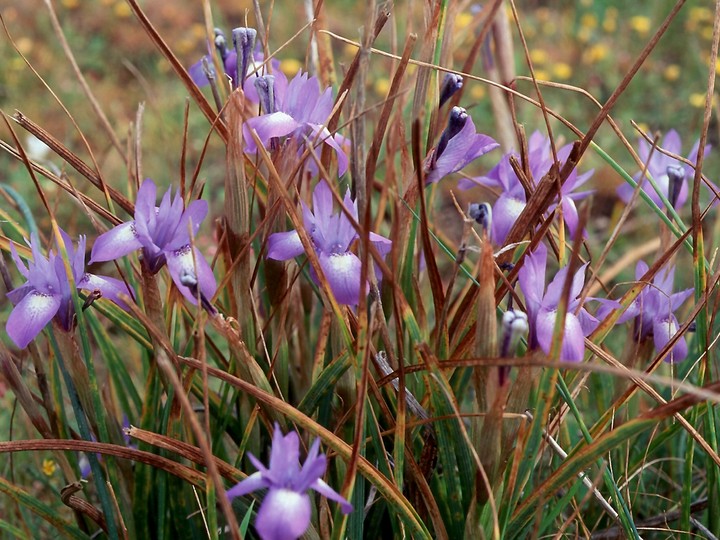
459 145
542 306
47 295
298 109
286 510
332 235
512 199
670 175
654 312
163 235
235 62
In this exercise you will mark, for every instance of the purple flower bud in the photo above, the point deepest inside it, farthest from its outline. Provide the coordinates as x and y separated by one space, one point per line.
450 85
458 117
244 43
514 328
265 87
221 44
482 213
676 176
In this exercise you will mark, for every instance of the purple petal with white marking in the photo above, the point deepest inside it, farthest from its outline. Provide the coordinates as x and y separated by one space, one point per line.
573 345
284 245
110 288
328 492
284 515
343 274
663 330
30 316
182 263
116 243
277 124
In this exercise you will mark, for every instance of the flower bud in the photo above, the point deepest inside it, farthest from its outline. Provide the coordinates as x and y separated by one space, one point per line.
265 86
451 84
244 43
676 176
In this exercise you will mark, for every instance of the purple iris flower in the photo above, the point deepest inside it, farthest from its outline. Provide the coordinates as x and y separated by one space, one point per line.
163 234
654 311
512 199
285 511
459 145
669 174
47 295
542 306
332 236
296 109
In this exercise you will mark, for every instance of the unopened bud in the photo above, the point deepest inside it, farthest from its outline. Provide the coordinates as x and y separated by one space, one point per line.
451 84
514 327
244 43
265 86
676 176
458 117
482 213
221 43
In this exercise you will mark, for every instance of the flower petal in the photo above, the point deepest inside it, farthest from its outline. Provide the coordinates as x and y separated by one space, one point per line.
115 243
343 274
663 330
284 245
110 288
325 490
182 263
284 515
267 126
573 344
532 278
505 213
30 316
252 483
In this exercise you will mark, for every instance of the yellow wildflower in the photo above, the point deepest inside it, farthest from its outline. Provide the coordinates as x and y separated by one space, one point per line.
588 20
561 70
477 92
538 56
641 24
48 467
290 66
672 72
122 10
382 86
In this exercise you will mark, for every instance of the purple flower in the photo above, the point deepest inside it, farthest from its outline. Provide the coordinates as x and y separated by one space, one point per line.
669 174
654 311
512 200
285 511
459 145
542 306
332 236
163 234
297 109
243 43
47 295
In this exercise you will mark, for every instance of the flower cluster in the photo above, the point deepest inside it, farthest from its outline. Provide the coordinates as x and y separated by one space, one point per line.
46 295
285 511
542 306
653 312
332 235
164 235
669 174
512 198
